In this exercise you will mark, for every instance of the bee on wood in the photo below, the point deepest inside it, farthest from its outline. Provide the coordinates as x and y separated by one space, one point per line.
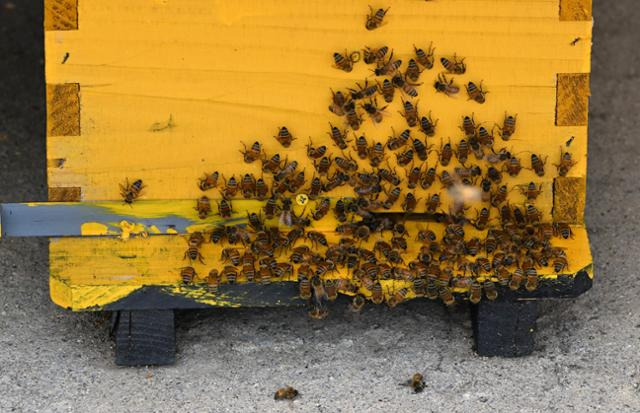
304 287
387 90
512 167
446 296
442 85
560 229
271 208
428 126
416 383
284 137
565 164
433 203
537 164
374 55
560 264
453 65
375 18
410 202
230 273
533 215
203 206
396 142
425 58
286 393
316 188
230 187
482 219
317 238
283 269
420 149
209 181
231 254
392 197
516 279
477 150
131 192
337 103
373 111
376 154
363 92
499 196
468 126
475 292
362 147
315 152
413 177
462 152
188 274
484 137
490 243
494 174
213 281
406 87
354 120
508 127
426 235
377 296
248 266
490 290
345 61
445 154
389 176
388 67
413 71
322 167
248 186
250 155
399 242
346 164
218 233
322 208
428 177
476 92
272 164
287 171
195 239
410 113
224 209
404 158
255 221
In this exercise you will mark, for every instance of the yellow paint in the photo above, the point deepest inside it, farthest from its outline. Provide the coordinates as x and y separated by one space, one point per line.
154 230
171 231
94 228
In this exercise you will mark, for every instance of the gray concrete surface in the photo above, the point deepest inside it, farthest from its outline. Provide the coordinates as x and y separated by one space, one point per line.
233 360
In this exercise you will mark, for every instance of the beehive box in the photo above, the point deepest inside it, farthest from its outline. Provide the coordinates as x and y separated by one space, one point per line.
166 92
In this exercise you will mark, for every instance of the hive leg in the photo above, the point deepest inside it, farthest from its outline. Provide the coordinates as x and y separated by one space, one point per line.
504 328
145 337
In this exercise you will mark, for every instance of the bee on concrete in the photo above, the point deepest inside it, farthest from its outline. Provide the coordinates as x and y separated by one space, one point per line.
337 103
248 186
404 158
188 274
410 202
396 142
392 197
209 181
362 147
203 206
193 254
213 281
565 164
375 18
433 203
427 178
345 61
373 111
353 118
376 154
284 137
453 65
272 164
286 393
322 208
388 67
531 191
387 90
252 154
425 58
442 85
416 383
445 154
508 127
374 55
319 312
476 92
230 187
317 238
537 164
428 126
410 113
413 176
560 229
131 192
413 71
407 88
363 92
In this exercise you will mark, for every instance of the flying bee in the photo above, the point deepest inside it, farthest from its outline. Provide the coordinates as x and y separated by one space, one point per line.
286 393
406 87
388 67
353 119
425 58
188 274
410 113
373 111
231 254
209 181
131 192
272 164
445 154
337 103
322 167
193 254
476 92
413 71
560 229
396 142
321 209
362 147
565 164
416 383
433 203
453 65
252 154
410 202
392 197
387 90
374 55
427 178
445 86
248 186
203 206
224 209
363 92
375 18
508 127
345 61
376 154
490 290
513 167
346 164
230 273
404 158
413 176
428 126
537 164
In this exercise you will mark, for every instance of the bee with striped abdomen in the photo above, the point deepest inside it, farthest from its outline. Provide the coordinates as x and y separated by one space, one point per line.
387 90
508 127
374 55
442 85
537 164
428 126
372 109
375 18
252 154
131 192
345 61
203 206
425 58
410 113
453 65
476 92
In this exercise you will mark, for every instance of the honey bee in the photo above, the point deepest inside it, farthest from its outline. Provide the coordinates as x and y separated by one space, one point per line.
317 238
363 92
563 230
462 152
490 290
560 264
482 219
374 19
250 155
516 279
377 295
319 313
565 164
428 178
425 58
484 137
224 209
362 147
353 118
248 186
533 215
373 111
248 266
445 86
387 90
374 55
494 174
413 176
476 92
389 176
203 206
376 154
188 274
230 273
428 126
453 65
321 209
316 188
445 154
446 296
404 158
337 103
331 287
513 167
499 196
396 142
209 181
231 254
410 202
322 167
213 281
271 165
286 393
287 171
410 113
195 239
537 164
406 87
508 127
433 203
468 126
531 282
392 197
388 67
421 149
416 383
531 191
284 137
413 71
131 192
230 187
345 61
304 287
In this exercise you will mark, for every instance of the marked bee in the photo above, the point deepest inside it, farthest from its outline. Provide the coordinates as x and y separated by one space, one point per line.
209 181
374 55
375 18
131 192
453 65
445 86
476 92
249 155
425 58
345 62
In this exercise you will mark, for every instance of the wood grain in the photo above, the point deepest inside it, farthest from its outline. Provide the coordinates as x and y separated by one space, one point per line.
65 194
572 101
569 199
575 10
61 14
63 109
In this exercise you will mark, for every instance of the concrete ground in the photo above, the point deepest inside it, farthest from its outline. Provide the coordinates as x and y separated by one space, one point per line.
233 360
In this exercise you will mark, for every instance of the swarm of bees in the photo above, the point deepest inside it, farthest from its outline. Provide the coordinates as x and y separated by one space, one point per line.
386 258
